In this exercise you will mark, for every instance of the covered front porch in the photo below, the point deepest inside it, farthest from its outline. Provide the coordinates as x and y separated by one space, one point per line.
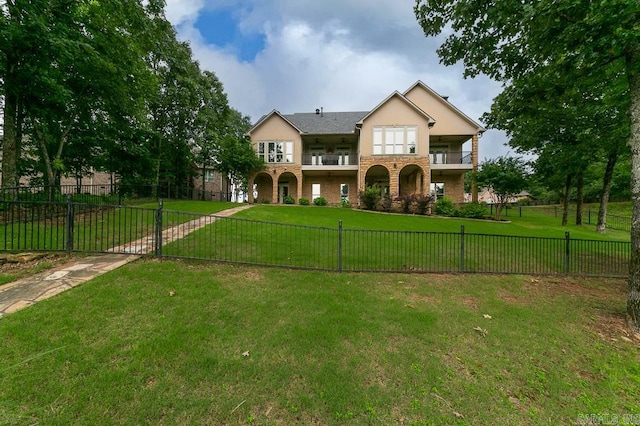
274 187
395 180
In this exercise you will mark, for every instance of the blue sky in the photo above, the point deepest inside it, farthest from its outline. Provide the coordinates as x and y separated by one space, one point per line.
342 55
219 27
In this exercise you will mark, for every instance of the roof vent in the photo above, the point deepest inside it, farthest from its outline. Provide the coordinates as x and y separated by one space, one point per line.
317 111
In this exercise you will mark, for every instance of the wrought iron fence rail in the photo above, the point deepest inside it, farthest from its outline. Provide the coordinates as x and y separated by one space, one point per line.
109 194
77 227
590 217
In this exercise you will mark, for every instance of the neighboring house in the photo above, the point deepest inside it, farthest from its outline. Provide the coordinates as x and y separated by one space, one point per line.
217 187
486 195
411 143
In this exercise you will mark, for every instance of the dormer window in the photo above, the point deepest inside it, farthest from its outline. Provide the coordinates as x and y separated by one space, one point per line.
394 140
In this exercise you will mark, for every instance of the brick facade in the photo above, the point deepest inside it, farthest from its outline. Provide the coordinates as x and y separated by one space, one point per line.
390 145
401 181
330 187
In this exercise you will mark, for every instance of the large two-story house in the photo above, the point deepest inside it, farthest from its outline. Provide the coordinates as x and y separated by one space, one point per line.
411 143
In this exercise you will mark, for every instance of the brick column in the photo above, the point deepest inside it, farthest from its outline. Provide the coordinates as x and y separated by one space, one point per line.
250 188
299 186
474 162
394 183
274 194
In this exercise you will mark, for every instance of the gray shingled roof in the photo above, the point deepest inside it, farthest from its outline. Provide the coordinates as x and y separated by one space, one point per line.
327 122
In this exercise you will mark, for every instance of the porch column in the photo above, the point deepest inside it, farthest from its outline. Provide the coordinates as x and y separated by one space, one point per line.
362 170
250 188
394 183
299 187
474 162
274 194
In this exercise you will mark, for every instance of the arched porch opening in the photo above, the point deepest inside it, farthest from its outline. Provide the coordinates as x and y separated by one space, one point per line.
263 188
378 176
411 180
287 186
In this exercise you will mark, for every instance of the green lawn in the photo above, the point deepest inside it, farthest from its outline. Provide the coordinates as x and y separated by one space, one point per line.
308 237
191 206
95 229
539 225
165 343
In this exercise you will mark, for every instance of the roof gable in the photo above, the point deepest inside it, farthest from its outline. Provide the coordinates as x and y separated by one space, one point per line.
266 117
419 85
400 96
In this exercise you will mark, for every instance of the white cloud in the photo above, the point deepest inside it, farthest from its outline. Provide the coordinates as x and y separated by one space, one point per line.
337 54
181 11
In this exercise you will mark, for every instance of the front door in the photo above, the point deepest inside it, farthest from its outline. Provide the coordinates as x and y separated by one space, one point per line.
283 191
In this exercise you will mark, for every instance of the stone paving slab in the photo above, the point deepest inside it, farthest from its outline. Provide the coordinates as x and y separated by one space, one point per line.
27 291
30 290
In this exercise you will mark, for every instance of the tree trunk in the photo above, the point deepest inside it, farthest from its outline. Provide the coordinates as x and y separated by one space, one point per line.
565 200
579 197
204 171
633 299
499 205
601 227
11 142
49 177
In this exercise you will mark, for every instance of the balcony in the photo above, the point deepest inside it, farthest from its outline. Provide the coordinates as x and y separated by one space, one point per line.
451 160
340 159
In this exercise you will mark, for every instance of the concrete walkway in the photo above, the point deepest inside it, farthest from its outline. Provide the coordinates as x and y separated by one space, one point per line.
27 291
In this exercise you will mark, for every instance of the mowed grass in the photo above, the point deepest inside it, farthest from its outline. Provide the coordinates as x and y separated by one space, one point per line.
192 343
530 224
191 206
98 229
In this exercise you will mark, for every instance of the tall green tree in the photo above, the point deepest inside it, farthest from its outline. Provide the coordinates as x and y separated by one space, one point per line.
212 122
235 157
508 40
65 61
550 107
505 176
21 28
173 111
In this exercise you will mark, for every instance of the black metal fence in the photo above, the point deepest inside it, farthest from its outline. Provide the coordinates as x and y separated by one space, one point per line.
589 216
76 227
116 193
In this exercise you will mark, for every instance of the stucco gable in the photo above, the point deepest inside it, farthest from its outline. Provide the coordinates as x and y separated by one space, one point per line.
440 107
402 98
267 117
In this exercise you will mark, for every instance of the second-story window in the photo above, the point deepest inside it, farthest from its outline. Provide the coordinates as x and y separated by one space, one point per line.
398 140
276 151
209 176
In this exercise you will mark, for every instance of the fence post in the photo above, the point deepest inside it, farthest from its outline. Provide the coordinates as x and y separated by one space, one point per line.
462 248
158 226
339 246
567 252
69 222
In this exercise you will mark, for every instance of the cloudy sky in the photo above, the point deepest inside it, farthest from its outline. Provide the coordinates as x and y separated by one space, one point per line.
342 55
